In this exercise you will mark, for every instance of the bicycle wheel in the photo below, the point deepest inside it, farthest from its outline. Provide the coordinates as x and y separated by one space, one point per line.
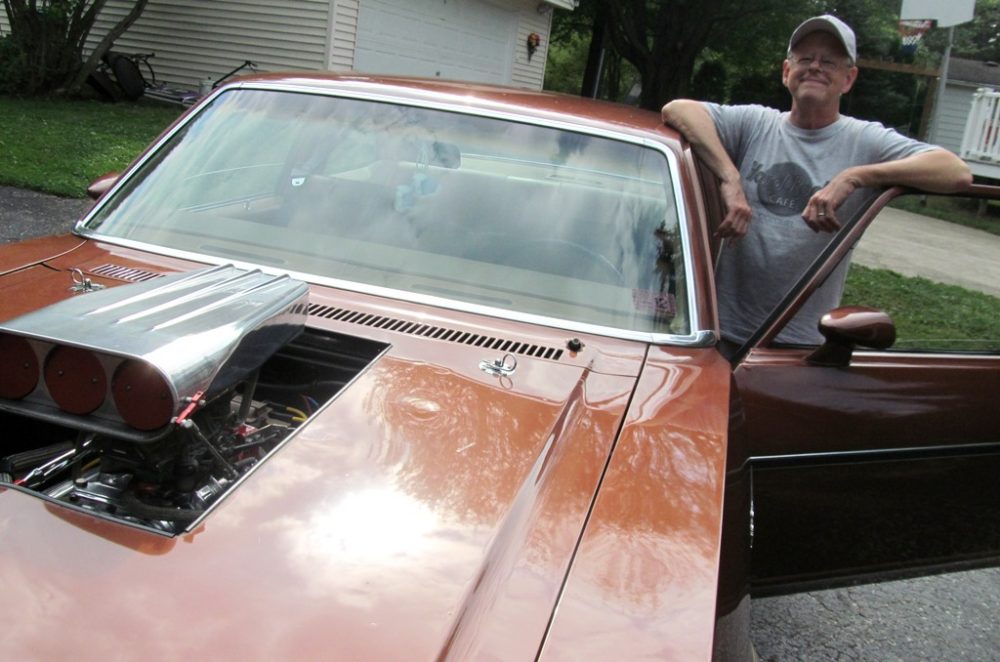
128 75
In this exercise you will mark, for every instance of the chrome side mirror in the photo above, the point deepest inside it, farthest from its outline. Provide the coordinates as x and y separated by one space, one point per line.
850 326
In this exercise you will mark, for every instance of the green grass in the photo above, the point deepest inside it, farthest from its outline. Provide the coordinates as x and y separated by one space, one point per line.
60 147
963 211
928 315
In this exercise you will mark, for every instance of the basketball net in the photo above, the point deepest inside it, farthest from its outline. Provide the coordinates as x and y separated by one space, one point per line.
911 31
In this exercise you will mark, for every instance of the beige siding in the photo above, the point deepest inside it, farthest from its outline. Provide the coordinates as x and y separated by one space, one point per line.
195 39
344 28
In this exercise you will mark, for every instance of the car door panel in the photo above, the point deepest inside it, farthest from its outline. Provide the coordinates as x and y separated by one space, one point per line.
883 466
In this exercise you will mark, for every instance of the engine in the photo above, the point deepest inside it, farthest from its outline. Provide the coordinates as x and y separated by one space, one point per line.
147 403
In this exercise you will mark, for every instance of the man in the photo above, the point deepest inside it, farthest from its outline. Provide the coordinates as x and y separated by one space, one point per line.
787 179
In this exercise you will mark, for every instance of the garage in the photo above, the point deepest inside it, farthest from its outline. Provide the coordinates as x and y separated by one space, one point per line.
453 39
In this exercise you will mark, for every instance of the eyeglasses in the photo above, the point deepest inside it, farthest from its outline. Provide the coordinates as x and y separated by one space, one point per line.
825 64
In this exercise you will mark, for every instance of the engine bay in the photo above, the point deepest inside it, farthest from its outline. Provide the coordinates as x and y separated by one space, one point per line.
167 485
147 403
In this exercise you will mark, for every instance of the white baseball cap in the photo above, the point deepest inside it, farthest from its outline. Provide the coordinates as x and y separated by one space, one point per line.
832 25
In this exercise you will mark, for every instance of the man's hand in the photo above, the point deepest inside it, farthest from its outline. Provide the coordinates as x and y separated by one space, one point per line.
820 213
737 220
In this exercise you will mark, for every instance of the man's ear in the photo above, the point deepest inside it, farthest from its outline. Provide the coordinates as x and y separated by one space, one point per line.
852 75
786 68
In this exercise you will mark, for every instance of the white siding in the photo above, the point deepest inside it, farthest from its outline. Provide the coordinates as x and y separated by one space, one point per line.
195 39
952 111
523 73
344 31
466 40
531 73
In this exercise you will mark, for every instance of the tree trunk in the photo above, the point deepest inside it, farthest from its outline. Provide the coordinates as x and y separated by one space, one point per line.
87 22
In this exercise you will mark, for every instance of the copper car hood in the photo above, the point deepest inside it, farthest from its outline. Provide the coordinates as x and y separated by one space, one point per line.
431 510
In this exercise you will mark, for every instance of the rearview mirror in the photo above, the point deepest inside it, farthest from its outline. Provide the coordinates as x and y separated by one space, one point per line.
850 326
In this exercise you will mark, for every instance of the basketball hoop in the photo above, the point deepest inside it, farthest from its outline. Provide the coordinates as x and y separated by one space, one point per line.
910 32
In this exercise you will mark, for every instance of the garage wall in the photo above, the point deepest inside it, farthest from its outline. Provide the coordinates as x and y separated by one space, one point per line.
195 39
531 73
479 40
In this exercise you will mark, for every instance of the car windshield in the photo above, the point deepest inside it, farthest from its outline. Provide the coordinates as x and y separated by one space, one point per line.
442 205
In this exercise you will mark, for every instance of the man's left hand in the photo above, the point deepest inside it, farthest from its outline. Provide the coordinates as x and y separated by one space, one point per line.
820 213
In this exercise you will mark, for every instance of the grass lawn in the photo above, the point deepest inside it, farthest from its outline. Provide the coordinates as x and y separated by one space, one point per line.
60 147
927 315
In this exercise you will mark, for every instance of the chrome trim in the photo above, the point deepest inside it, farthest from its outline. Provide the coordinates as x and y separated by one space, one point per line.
232 319
908 452
699 337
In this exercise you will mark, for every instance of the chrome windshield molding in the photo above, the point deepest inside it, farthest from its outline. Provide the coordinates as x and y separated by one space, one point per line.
699 336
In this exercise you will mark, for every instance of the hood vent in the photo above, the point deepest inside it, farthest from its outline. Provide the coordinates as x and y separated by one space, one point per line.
435 332
129 274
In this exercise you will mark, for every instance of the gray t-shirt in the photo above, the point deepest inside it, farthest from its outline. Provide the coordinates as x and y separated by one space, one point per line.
782 166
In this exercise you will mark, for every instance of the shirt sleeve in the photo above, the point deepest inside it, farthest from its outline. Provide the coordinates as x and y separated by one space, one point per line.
736 126
890 145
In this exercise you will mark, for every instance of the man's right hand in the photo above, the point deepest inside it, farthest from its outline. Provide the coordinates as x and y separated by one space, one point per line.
737 220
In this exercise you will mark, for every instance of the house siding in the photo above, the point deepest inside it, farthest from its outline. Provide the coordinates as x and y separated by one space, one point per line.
344 31
530 73
194 40
951 115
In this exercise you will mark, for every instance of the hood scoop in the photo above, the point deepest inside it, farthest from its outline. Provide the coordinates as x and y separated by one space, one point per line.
435 332
126 360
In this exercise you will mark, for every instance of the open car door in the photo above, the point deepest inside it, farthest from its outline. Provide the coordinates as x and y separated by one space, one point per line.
878 454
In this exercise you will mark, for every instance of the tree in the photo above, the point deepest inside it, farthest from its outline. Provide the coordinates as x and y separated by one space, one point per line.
44 51
665 39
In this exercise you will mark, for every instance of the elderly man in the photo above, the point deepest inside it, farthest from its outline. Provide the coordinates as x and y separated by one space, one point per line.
787 178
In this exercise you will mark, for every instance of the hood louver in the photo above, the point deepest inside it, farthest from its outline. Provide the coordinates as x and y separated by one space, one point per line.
432 331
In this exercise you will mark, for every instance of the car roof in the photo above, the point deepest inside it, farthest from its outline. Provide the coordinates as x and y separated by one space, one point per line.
539 105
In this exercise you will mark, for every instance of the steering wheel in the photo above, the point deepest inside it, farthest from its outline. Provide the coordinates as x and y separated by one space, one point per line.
563 258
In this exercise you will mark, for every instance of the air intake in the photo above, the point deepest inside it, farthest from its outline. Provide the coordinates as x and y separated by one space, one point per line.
435 332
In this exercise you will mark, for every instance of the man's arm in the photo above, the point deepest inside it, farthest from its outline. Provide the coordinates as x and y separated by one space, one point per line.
935 171
696 125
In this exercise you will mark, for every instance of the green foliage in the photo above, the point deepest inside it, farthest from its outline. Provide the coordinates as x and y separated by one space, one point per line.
977 40
564 67
36 57
60 147
43 53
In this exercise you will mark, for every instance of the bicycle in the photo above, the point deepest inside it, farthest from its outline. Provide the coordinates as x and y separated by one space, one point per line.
121 76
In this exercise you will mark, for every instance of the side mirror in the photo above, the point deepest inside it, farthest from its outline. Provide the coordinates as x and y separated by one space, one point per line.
101 185
849 326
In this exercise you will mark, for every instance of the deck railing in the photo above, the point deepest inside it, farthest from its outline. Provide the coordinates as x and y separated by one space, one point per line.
981 139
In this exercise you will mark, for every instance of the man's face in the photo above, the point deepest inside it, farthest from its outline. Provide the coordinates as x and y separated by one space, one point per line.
818 73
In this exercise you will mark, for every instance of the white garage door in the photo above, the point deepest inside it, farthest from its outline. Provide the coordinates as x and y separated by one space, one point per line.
458 39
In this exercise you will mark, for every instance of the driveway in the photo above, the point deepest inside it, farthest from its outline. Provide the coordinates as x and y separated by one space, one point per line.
915 245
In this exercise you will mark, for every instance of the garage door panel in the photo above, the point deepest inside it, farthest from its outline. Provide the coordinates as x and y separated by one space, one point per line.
467 40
